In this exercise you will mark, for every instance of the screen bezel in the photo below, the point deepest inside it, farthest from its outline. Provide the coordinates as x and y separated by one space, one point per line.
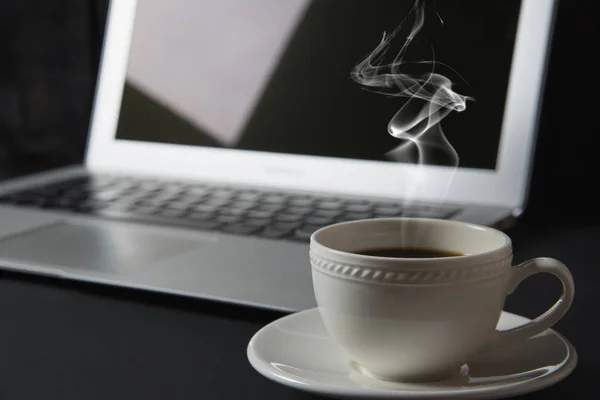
504 186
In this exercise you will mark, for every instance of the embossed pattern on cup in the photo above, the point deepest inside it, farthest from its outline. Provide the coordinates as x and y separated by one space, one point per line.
416 319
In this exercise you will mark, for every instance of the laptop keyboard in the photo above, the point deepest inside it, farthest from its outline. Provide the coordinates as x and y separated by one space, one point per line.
242 211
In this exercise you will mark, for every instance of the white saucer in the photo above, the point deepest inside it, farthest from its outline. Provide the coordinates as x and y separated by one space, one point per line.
297 351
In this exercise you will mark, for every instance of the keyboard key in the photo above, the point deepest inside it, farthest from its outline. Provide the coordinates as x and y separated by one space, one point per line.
329 205
222 193
288 217
172 213
358 207
273 198
269 207
387 204
326 213
233 211
301 201
259 214
353 217
228 219
257 222
243 205
216 202
285 226
186 199
250 196
200 216
298 210
163 196
205 208
126 201
196 191
388 211
319 220
148 186
158 203
174 188
177 205
145 210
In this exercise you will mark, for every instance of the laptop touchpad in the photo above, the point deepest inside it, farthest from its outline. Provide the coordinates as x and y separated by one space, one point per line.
91 246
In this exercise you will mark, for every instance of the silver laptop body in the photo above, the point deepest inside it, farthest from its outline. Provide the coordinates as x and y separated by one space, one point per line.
165 116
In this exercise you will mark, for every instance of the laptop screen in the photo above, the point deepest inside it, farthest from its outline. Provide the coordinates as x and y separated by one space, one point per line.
321 78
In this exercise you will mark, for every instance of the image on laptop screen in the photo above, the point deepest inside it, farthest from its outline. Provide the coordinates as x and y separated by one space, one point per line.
276 76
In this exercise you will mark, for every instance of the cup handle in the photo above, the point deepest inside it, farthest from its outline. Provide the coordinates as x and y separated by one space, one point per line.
550 317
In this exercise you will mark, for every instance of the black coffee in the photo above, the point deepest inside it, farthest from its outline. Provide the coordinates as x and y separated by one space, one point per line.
404 252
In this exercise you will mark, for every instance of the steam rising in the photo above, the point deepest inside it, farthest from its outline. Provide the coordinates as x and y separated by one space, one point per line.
430 98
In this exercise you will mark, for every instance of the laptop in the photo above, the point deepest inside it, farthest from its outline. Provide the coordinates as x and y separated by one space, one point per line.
225 132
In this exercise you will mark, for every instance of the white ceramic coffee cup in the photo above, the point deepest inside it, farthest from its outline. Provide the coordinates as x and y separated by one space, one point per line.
421 319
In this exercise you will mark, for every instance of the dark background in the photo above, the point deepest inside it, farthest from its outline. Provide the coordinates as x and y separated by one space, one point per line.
49 54
311 106
62 339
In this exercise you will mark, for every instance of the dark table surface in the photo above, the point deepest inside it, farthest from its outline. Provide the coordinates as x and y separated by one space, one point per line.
69 340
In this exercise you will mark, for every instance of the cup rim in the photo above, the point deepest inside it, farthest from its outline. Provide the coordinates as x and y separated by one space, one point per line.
498 253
